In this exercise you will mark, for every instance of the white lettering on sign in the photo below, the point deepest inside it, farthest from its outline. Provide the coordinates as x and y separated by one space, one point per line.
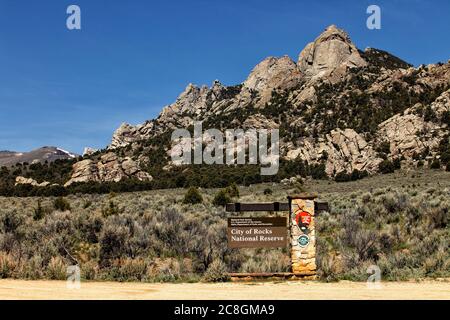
248 232
256 238
259 231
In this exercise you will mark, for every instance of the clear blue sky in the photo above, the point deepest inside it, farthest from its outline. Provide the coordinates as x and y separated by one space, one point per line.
73 88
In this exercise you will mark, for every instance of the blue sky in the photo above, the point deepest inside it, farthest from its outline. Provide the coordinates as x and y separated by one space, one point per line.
72 89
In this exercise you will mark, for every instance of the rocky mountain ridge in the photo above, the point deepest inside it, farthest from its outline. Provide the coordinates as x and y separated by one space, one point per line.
337 106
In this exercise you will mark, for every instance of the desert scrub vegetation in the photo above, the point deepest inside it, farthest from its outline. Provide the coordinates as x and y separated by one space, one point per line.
405 231
153 236
147 236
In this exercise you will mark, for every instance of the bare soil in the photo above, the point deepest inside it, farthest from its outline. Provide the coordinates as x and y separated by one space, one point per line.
57 290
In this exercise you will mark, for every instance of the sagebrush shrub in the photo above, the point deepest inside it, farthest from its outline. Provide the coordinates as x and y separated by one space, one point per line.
192 196
56 269
61 204
89 270
216 272
221 198
8 265
39 211
329 268
272 261
128 269
233 190
113 242
111 209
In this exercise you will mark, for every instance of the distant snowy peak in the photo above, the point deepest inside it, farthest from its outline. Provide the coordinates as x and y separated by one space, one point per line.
71 155
47 153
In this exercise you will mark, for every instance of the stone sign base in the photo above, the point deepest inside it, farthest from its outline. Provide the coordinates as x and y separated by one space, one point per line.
303 235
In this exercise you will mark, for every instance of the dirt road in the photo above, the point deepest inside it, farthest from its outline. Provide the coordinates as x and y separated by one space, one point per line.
56 290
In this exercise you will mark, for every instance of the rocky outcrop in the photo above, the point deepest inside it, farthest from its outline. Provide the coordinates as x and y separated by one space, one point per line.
259 121
110 168
124 135
342 150
30 181
194 103
84 171
442 103
193 100
408 134
89 151
270 74
330 55
332 52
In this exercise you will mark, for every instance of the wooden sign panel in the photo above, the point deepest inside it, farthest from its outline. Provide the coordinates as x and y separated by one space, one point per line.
250 232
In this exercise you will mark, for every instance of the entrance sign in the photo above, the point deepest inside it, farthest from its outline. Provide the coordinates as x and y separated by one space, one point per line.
302 210
250 232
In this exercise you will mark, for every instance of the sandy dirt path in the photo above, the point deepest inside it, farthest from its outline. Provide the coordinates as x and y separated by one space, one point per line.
57 290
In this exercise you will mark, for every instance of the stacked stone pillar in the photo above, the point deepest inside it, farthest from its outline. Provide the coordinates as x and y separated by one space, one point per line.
303 235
